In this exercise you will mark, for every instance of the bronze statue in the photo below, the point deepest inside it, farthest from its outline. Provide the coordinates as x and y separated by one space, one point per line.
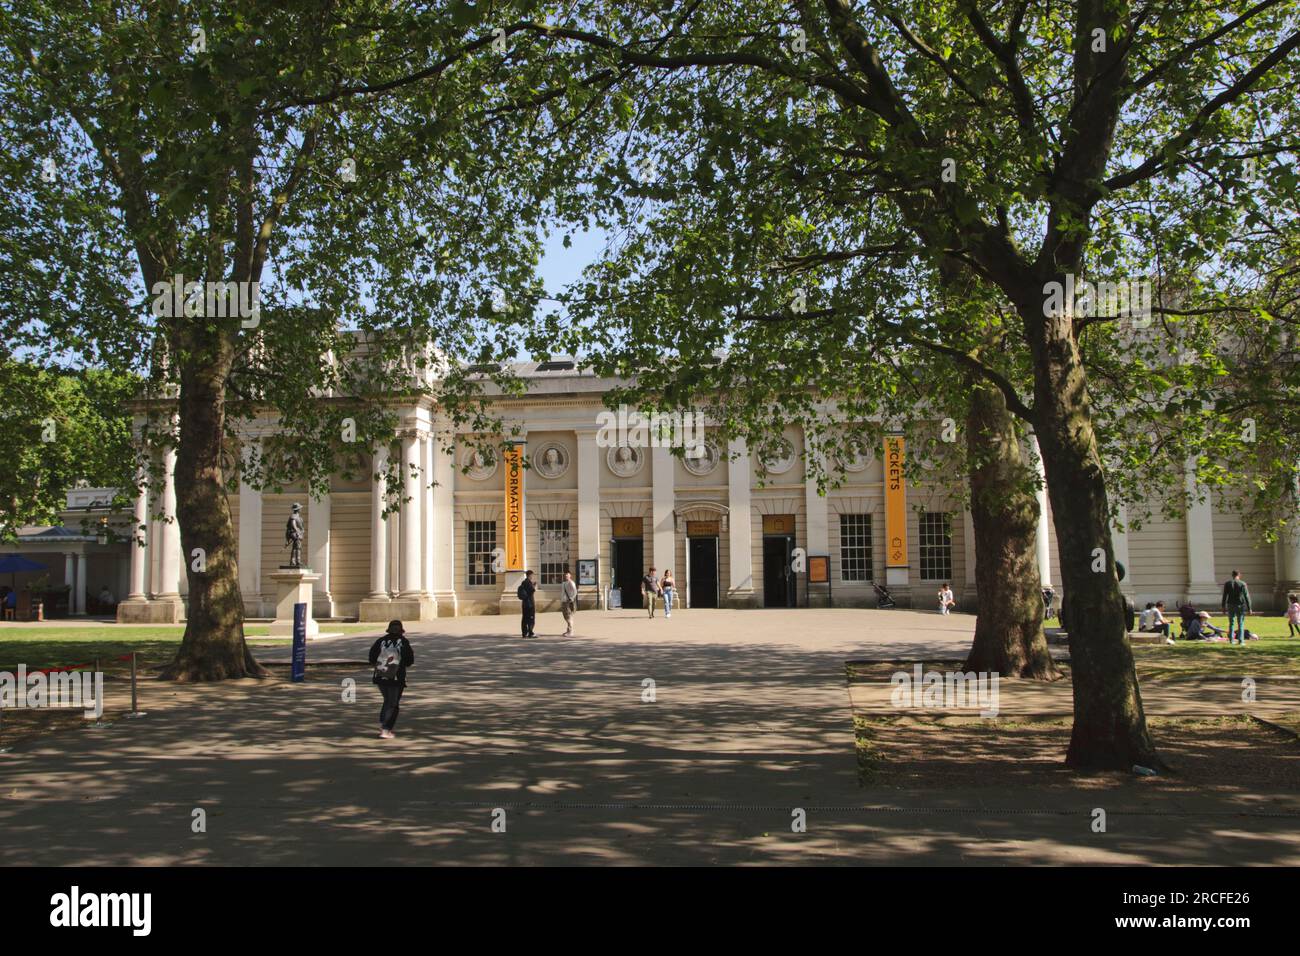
293 534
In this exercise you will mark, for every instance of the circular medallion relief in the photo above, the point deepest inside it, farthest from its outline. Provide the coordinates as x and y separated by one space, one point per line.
625 460
478 466
552 460
706 462
855 457
777 457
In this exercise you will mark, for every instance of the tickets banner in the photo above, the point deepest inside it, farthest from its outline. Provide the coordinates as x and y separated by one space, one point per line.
895 504
514 462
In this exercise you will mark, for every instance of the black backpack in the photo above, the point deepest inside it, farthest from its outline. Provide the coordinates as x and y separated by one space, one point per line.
388 665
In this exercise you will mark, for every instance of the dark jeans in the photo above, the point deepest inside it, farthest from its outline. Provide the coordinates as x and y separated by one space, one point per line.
392 696
529 620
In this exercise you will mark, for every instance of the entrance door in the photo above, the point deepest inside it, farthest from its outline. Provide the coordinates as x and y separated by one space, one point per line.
628 571
778 579
704 571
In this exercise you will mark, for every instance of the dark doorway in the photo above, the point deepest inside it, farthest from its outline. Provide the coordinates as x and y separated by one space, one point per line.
778 579
704 572
628 554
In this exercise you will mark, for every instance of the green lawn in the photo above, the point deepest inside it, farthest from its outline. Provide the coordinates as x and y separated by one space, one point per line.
1267 657
51 645
1265 625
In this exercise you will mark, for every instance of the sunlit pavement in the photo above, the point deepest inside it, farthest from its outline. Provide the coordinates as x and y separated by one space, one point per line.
695 740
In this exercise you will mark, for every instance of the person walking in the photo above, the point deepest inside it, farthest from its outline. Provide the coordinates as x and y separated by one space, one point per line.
649 588
667 587
528 604
568 602
390 656
1293 616
1236 602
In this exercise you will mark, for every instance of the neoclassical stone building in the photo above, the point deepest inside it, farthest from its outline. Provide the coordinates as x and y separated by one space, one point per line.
727 523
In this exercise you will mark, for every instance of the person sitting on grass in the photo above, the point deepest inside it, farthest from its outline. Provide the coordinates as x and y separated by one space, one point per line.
1202 630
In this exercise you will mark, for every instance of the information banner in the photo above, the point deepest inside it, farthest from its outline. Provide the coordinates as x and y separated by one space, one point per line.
514 462
299 670
895 504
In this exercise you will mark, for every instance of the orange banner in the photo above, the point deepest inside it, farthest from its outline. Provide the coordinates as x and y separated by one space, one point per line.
514 462
895 504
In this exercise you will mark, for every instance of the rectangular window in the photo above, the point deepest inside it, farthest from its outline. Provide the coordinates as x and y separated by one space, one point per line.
855 547
482 541
554 550
936 546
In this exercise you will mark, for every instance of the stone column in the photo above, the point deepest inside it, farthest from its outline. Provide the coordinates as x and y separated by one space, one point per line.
318 555
1042 538
817 511
413 599
663 497
1202 588
375 605
70 579
139 592
444 527
412 538
589 508
1287 561
80 590
1119 547
169 561
250 542
426 511
741 522
1287 557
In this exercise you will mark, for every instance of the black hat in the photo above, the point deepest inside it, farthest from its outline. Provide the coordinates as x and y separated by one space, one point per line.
395 627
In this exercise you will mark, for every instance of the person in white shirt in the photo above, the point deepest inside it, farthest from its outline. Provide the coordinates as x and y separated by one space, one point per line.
568 602
1158 622
1144 619
946 602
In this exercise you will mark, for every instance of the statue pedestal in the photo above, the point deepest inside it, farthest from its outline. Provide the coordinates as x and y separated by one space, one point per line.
293 586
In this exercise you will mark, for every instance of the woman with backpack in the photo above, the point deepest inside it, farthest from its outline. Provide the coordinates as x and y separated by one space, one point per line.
391 655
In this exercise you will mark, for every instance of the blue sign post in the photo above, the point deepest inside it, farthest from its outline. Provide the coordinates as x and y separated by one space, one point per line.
299 643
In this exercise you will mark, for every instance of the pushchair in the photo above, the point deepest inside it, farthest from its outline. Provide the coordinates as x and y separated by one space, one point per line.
1049 595
883 598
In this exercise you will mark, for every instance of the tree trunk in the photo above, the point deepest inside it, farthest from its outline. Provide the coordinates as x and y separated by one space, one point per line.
213 647
1009 638
1110 730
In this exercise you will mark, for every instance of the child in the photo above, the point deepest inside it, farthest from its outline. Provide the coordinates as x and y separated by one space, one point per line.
391 655
1292 615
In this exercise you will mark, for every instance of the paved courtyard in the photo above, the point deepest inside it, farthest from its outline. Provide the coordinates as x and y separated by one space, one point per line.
751 721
